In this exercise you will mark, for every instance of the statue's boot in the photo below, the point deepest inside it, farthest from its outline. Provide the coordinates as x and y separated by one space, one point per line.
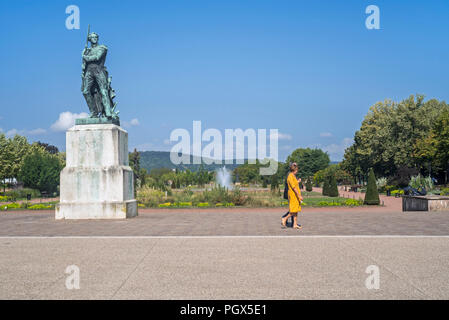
91 104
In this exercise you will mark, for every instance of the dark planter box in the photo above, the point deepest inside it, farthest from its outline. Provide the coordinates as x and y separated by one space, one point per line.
425 203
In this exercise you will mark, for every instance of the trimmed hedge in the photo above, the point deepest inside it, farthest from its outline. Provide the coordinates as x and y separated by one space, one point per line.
333 190
309 185
326 186
372 195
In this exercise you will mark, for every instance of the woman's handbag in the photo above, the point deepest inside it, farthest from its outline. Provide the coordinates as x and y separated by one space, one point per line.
286 190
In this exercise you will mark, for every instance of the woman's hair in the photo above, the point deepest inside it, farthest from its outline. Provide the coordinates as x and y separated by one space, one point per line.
293 166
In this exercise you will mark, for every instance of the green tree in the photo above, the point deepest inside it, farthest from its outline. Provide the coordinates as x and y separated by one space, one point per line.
341 175
264 182
388 135
140 174
201 177
425 153
12 154
372 195
248 173
19 147
432 151
134 163
40 170
6 160
441 132
48 147
309 161
274 183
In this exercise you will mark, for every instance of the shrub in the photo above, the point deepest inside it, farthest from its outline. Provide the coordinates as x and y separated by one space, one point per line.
11 206
229 204
22 193
419 182
203 204
3 198
309 185
445 191
184 196
326 186
164 205
40 170
395 192
371 196
40 206
217 194
329 203
381 183
402 176
333 190
218 204
238 198
150 197
182 204
140 205
256 202
353 202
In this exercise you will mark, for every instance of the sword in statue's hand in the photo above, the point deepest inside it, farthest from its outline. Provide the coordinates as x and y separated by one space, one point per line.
87 39
85 49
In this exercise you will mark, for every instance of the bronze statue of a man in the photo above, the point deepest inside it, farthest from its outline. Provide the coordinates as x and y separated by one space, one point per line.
96 84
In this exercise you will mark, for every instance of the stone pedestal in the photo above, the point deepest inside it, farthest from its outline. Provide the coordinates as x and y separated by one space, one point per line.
97 182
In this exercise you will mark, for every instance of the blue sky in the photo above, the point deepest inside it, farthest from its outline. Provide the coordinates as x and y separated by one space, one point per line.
309 69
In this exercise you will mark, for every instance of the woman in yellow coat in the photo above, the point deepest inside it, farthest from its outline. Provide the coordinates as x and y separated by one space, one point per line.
294 197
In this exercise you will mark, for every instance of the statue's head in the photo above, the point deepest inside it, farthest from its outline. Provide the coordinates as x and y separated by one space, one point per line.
93 37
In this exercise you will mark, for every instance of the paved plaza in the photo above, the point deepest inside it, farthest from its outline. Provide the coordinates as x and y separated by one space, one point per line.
231 222
226 254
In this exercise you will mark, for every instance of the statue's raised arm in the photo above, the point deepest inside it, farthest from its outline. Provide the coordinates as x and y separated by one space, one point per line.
96 55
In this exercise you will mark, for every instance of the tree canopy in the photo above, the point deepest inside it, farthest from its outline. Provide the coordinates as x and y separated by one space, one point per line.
309 161
432 151
37 165
389 134
40 170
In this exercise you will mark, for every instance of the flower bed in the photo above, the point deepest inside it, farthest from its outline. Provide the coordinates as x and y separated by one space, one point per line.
41 206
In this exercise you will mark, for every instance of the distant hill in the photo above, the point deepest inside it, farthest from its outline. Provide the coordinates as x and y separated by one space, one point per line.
161 159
